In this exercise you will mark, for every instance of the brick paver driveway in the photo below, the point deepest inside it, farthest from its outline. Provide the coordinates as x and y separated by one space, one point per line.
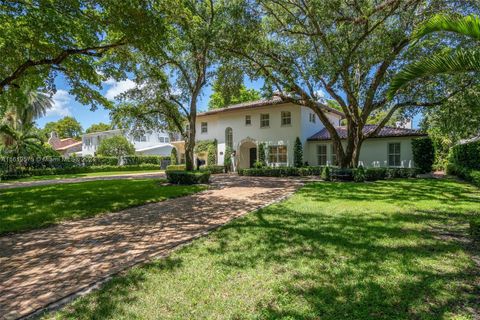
41 267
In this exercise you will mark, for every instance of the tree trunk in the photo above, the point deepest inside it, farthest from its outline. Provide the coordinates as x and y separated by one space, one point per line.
190 143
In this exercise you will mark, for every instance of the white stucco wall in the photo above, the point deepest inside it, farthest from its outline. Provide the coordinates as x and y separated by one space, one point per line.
375 149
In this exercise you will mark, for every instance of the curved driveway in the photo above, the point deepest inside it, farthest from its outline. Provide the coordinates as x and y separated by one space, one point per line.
46 267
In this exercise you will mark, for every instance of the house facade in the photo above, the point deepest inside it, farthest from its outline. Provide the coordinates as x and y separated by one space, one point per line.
277 124
66 147
150 143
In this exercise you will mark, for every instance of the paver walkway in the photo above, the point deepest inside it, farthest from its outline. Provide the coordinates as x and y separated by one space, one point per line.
41 267
142 175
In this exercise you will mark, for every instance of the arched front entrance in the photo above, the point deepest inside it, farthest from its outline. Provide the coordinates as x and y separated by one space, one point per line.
247 153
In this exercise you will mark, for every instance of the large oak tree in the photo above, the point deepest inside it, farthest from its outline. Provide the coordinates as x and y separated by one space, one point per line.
349 49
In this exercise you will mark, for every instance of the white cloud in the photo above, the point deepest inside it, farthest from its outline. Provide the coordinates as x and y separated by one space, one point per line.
61 102
117 87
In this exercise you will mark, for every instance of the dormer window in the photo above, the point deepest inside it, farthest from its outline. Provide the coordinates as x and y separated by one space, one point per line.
312 117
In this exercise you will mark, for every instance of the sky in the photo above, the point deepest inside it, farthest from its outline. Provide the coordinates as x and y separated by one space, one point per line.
65 105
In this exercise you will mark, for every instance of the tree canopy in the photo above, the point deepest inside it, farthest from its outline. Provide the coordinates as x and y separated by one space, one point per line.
67 127
98 127
350 50
116 146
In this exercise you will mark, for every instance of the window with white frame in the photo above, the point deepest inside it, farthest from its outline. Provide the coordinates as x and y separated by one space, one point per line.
312 117
248 120
167 139
394 154
264 120
334 155
322 154
204 127
161 139
277 154
286 118
142 138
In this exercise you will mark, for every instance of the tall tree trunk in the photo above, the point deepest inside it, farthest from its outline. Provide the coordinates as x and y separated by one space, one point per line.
190 144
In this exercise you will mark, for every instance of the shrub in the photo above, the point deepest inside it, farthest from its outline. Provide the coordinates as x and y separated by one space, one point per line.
212 155
258 164
174 157
297 153
475 227
359 174
423 154
310 171
214 169
341 174
188 177
465 173
466 155
261 154
178 167
227 160
373 174
141 159
116 146
326 174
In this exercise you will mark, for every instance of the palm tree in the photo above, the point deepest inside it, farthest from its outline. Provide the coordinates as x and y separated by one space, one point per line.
446 61
17 130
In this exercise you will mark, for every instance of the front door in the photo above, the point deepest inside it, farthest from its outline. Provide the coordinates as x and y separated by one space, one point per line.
253 156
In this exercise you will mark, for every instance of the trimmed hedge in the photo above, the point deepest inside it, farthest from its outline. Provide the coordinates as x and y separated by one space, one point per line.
465 173
466 155
177 167
24 172
332 173
423 154
188 177
213 169
475 227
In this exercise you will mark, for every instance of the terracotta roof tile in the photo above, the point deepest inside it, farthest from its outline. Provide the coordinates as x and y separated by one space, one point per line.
384 132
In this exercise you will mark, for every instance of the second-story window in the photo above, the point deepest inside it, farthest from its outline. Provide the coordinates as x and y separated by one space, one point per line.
248 120
286 118
264 120
161 139
312 117
204 127
142 138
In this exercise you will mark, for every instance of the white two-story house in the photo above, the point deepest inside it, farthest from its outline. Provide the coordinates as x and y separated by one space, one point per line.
150 143
277 124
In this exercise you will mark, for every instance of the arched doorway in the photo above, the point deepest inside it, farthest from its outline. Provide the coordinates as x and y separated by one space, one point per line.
247 153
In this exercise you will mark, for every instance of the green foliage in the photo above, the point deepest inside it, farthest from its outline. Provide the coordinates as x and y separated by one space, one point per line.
174 156
262 154
359 174
298 153
466 155
423 154
67 127
258 164
326 173
218 100
177 167
212 155
475 228
99 127
63 202
188 177
203 146
459 60
468 174
280 171
227 159
213 169
116 146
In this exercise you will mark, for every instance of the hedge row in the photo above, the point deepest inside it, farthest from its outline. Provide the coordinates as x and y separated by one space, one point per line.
188 177
22 173
332 173
213 169
466 155
465 173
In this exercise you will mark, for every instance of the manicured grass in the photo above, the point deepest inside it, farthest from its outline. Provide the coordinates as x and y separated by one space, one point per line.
384 250
81 175
34 207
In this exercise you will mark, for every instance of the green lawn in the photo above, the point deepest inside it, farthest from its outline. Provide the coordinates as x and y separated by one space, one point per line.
384 250
34 207
81 175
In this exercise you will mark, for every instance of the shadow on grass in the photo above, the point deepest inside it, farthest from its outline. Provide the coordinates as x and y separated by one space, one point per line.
401 253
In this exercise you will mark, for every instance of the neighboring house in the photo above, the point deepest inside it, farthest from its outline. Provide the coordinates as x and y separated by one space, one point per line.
66 146
277 124
151 143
